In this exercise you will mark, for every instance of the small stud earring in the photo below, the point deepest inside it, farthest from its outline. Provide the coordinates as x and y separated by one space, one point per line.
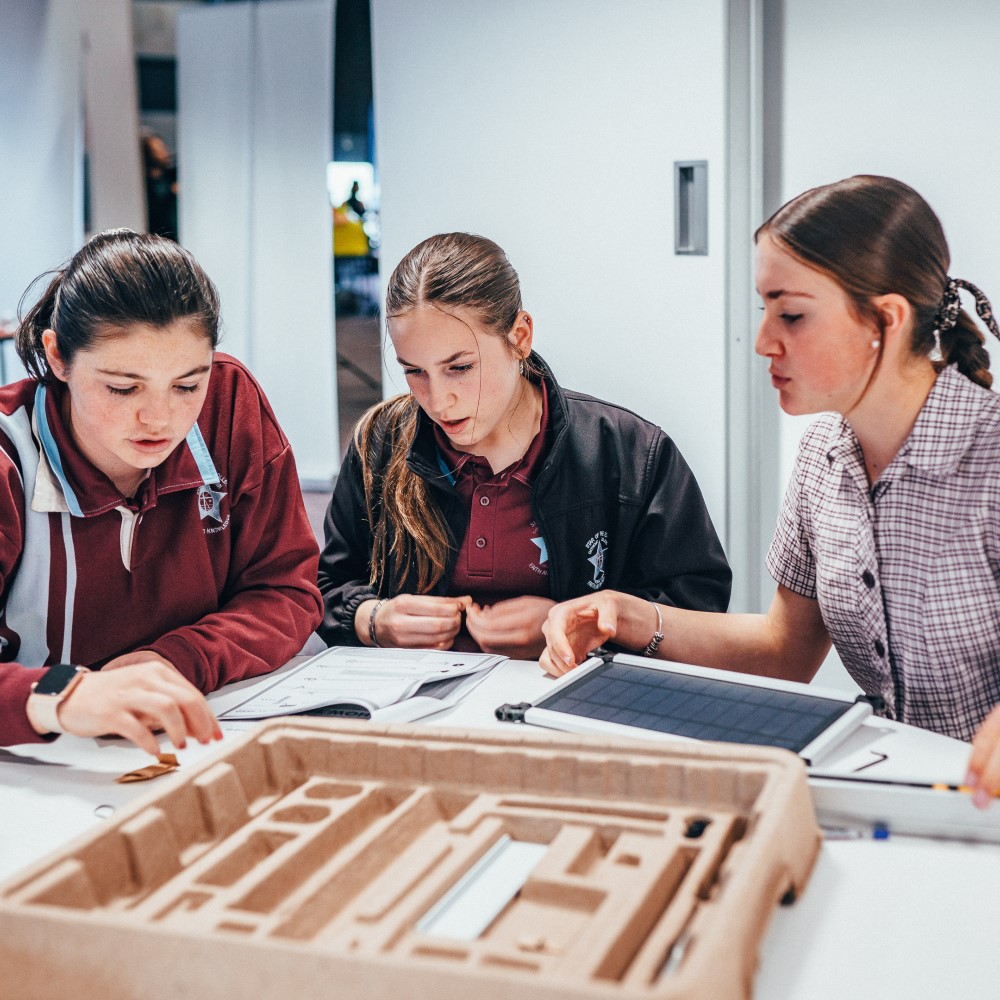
876 344
520 368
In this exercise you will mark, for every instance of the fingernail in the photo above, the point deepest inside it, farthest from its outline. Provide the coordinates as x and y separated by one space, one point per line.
972 779
981 798
217 734
182 744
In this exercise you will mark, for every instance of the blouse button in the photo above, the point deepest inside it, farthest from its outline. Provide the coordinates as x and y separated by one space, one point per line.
879 648
484 501
480 543
869 580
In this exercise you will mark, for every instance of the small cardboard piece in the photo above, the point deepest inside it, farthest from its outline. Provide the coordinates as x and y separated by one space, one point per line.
299 862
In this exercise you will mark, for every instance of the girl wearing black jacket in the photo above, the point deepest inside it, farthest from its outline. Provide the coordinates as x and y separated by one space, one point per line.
466 508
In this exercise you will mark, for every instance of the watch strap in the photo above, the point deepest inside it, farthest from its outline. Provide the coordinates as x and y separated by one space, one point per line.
44 708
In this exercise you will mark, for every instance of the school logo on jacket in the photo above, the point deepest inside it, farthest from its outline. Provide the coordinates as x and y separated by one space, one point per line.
597 547
210 505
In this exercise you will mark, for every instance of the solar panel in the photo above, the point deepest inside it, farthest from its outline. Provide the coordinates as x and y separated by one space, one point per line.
693 703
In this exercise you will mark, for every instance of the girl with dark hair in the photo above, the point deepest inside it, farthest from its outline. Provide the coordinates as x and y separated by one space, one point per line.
887 542
467 507
152 524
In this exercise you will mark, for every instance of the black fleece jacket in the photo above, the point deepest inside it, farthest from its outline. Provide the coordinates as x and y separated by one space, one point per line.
615 501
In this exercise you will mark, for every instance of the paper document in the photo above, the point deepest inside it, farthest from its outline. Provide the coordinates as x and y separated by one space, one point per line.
351 680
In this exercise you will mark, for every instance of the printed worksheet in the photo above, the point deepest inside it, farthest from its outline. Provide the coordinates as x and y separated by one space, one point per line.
355 678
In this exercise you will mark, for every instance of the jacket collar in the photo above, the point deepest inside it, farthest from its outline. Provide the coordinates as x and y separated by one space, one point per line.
66 481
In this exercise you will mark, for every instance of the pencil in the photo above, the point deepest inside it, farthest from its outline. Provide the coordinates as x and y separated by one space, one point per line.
936 786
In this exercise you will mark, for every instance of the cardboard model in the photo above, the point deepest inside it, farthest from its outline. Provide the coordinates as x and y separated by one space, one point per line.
316 858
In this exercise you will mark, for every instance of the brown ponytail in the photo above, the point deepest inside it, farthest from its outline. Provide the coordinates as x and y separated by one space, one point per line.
964 345
399 502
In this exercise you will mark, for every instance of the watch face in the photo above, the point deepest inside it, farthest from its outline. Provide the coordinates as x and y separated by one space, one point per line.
56 679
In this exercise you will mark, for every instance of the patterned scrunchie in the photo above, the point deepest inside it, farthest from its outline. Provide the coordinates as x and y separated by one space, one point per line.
947 314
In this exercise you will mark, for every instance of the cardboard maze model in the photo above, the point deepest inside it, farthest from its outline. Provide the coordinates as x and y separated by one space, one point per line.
333 859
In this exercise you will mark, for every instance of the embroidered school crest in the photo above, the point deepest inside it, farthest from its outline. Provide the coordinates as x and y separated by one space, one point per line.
210 505
597 547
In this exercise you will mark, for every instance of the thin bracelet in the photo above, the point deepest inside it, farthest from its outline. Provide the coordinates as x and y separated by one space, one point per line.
371 621
657 635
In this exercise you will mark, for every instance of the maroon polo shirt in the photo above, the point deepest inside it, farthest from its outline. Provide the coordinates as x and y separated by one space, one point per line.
503 554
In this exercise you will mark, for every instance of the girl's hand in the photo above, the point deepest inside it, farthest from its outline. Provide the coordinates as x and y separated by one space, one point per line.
984 764
575 627
419 621
136 700
512 627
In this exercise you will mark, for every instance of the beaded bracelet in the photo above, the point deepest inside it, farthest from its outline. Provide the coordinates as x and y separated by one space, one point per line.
371 621
657 635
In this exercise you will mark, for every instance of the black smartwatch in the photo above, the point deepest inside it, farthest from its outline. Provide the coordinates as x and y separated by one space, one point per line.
49 692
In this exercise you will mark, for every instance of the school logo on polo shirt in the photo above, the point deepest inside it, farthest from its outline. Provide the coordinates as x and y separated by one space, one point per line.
539 567
210 505
597 547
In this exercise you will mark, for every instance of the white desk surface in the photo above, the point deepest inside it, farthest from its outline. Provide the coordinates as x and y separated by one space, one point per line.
901 918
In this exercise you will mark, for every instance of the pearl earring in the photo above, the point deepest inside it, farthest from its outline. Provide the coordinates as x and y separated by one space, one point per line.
876 344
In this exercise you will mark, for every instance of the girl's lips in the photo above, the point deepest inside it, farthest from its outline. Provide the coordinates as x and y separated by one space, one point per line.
151 445
451 426
778 381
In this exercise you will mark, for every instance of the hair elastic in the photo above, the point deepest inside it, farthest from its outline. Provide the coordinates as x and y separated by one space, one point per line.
948 310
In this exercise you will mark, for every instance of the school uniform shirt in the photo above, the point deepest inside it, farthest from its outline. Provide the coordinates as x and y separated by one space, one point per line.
614 501
503 552
212 564
906 572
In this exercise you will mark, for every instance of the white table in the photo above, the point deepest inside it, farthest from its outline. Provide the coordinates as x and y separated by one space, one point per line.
903 918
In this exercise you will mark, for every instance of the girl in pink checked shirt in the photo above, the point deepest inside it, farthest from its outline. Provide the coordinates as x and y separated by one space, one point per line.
151 523
887 543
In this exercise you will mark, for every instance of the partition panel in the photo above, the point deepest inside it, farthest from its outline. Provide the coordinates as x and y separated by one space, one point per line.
254 137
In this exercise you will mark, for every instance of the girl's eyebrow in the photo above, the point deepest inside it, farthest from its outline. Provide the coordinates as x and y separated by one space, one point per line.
778 292
447 361
200 370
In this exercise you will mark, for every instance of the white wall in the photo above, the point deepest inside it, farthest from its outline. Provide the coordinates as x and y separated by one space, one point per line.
117 197
906 88
41 142
255 119
552 128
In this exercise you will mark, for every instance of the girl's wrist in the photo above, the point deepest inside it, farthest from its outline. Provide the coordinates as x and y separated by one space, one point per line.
362 619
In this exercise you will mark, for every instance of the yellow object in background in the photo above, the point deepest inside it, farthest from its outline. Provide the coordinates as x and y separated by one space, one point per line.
349 239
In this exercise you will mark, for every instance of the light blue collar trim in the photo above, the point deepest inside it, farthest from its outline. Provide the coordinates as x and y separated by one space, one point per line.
52 452
199 450
443 466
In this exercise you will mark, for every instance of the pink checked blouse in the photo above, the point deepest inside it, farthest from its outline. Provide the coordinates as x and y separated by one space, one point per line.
906 572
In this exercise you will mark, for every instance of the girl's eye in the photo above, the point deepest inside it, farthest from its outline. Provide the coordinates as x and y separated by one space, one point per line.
412 371
187 388
121 392
458 369
791 317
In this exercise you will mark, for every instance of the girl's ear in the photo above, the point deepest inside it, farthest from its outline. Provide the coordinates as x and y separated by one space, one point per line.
521 334
56 364
896 313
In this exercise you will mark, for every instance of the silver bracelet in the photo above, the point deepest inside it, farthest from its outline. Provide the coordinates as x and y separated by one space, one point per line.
657 635
371 621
